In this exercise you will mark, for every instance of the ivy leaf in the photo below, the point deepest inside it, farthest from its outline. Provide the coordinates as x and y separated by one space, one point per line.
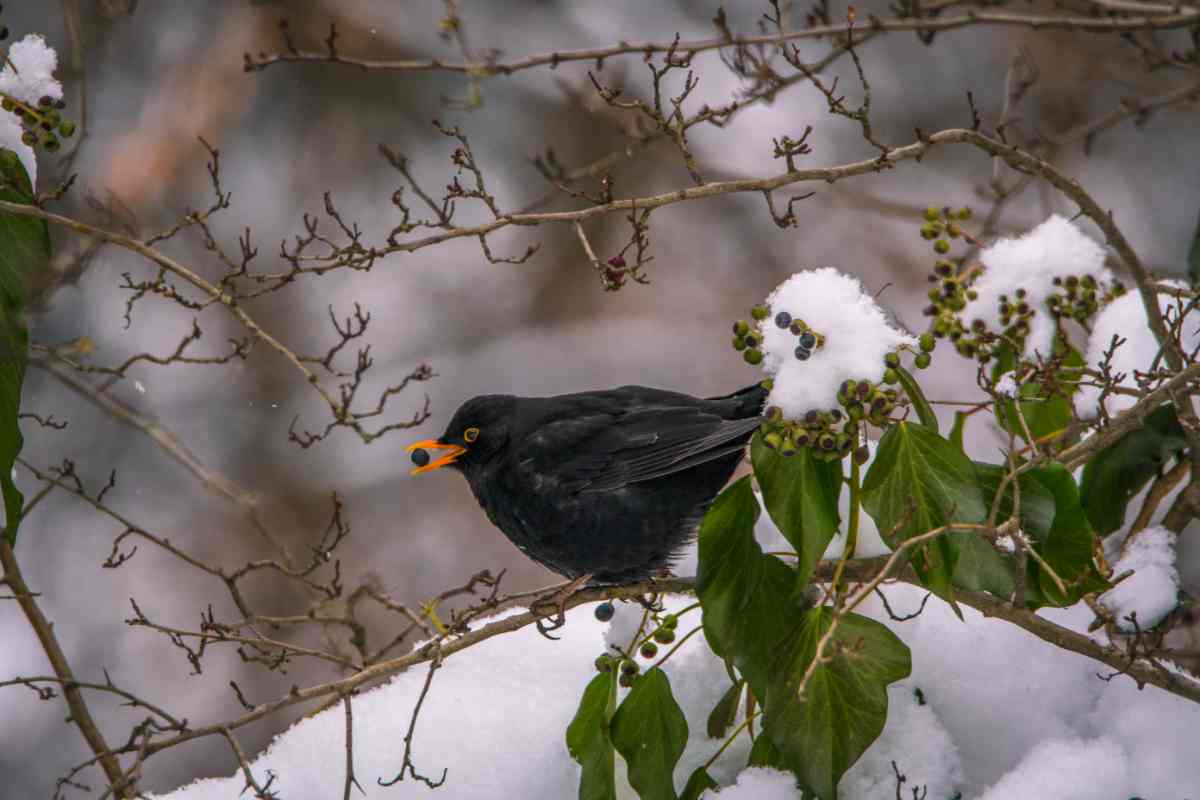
745 594
918 482
1116 474
698 784
24 253
650 732
724 712
801 495
588 740
844 705
917 397
764 753
1045 416
1069 543
956 433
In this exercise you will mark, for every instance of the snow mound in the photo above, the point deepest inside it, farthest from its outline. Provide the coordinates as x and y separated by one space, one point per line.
857 336
1054 249
1152 590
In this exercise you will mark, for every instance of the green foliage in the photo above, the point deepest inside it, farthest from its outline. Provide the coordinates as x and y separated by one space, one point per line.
697 784
1045 415
24 252
588 738
917 397
801 495
844 703
721 718
650 732
918 482
1113 477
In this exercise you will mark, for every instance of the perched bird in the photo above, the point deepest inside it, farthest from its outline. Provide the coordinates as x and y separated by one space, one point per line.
601 487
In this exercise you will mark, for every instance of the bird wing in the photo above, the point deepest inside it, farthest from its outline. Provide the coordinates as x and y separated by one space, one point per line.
601 452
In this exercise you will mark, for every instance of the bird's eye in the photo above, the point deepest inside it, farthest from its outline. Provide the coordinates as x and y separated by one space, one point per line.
471 434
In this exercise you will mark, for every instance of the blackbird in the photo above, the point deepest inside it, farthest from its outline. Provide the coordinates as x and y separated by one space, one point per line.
601 487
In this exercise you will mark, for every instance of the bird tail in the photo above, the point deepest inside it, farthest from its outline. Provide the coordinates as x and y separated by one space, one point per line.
749 401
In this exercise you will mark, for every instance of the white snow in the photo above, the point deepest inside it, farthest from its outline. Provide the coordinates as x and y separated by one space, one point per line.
1126 317
857 336
33 78
1068 769
1056 248
758 783
1007 385
1152 590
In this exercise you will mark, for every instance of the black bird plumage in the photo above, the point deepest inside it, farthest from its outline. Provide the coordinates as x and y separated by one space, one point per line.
610 484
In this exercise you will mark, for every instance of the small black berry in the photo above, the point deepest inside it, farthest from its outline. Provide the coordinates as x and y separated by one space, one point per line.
420 457
783 319
807 340
802 353
604 612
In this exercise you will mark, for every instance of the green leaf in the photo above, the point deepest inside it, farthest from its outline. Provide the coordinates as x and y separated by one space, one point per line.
920 404
650 732
764 753
724 712
588 740
956 433
1044 415
918 482
844 704
801 495
1068 545
24 254
1194 257
1116 474
698 784
746 595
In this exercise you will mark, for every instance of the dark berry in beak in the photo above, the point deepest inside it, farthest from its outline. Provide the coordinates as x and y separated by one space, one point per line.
420 457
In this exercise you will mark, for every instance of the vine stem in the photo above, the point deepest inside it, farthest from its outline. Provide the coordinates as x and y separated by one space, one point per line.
729 740
852 527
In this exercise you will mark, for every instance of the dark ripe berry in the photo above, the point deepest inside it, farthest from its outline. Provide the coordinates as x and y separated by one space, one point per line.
944 268
420 457
3 33
783 319
629 668
760 312
664 636
670 622
812 417
604 663
922 360
929 311
932 278
773 413
617 262
1020 294
60 104
29 138
846 388
604 611
741 328
807 340
803 439
649 650
1057 281
1022 308
803 353
979 326
45 101
927 342
753 356
863 389
862 454
836 414
892 359
753 338
827 442
797 327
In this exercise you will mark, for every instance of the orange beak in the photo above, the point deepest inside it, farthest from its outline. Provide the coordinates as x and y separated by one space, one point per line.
454 451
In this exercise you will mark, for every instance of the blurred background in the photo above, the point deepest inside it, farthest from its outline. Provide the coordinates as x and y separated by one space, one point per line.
154 76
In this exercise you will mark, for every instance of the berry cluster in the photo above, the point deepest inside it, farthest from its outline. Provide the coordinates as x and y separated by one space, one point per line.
941 223
43 124
647 648
749 341
1079 297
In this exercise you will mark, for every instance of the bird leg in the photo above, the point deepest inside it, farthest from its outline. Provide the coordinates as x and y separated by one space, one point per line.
557 601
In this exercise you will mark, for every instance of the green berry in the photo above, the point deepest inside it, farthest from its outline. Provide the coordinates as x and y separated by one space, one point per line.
892 360
922 360
760 312
773 440
767 383
928 232
963 214
29 138
739 343
741 328
942 246
604 663
7 104
670 622
626 681
890 376
953 231
629 668
649 650
932 214
753 356
927 342
664 636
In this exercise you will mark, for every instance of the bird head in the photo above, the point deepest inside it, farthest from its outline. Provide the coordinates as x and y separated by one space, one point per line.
478 430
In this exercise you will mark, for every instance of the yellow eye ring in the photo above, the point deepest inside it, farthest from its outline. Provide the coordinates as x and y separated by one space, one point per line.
471 434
